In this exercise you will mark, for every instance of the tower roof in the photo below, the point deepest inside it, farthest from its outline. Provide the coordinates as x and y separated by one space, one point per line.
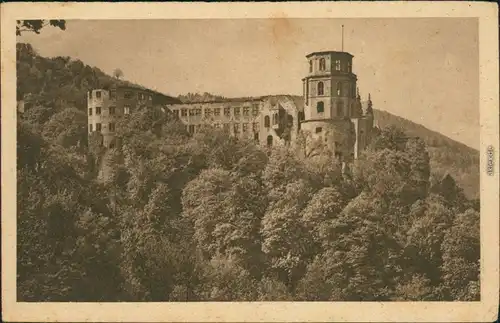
329 52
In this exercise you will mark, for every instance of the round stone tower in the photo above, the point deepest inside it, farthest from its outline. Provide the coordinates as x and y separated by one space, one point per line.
330 101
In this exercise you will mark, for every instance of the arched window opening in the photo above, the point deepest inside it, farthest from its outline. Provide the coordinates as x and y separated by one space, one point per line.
320 107
337 65
322 64
269 141
310 66
266 122
275 118
321 88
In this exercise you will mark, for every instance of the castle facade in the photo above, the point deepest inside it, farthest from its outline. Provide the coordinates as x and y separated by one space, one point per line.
106 106
330 110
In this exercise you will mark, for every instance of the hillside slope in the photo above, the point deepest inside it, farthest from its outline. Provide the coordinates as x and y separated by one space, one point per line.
57 83
447 155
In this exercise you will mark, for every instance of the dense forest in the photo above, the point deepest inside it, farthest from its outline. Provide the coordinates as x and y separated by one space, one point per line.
213 218
447 155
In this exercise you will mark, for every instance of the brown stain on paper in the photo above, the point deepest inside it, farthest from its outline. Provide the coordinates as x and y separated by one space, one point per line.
284 34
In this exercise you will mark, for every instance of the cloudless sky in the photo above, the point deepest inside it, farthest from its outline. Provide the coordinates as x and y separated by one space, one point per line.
422 69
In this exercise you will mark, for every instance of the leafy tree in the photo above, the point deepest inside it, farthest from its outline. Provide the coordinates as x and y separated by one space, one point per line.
225 280
324 206
36 25
285 239
226 213
67 128
461 249
117 73
59 255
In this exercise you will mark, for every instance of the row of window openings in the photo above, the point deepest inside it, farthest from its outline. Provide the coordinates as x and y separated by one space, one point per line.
98 127
226 126
112 110
320 108
338 65
126 95
321 89
217 111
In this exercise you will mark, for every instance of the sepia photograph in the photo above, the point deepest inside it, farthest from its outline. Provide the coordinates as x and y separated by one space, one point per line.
251 159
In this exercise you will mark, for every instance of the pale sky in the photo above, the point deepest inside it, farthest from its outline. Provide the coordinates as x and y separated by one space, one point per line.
425 70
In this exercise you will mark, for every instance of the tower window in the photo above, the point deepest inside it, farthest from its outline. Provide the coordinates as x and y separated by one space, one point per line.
275 119
112 110
321 88
319 129
310 66
266 122
322 64
340 108
97 110
320 107
349 66
90 111
337 65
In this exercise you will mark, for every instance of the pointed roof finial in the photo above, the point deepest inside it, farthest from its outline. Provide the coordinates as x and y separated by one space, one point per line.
369 109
